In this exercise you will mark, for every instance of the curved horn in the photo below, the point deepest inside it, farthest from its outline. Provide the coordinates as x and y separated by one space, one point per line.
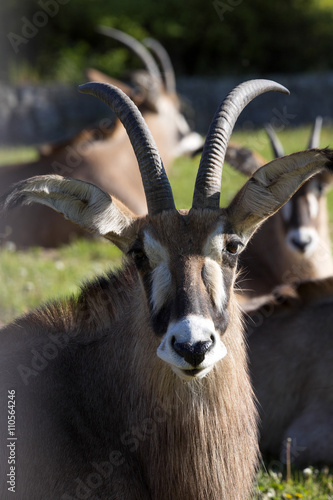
208 183
275 141
315 134
155 182
136 47
166 64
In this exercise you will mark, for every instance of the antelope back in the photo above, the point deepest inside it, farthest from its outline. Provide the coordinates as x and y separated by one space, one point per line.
290 350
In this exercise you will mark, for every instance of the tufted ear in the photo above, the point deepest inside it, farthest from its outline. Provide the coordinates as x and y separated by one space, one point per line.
80 202
271 187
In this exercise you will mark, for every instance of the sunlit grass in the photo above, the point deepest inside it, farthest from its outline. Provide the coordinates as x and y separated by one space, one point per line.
32 277
29 278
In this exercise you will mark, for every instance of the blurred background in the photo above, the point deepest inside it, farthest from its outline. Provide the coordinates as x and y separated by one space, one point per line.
214 38
213 46
46 48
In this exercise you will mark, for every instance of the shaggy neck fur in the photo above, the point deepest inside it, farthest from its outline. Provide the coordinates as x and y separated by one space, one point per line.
184 440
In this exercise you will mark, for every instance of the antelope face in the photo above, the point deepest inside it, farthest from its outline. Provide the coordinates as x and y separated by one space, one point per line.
186 261
302 215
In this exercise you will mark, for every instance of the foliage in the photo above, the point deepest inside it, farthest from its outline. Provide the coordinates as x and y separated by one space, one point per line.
251 36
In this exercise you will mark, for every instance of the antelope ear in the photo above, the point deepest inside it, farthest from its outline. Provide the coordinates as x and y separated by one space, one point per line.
272 186
80 202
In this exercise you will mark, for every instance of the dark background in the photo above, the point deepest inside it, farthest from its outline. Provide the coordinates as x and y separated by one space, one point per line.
208 38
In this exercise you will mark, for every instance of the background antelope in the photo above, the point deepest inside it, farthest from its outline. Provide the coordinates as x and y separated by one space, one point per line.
139 388
294 244
291 359
103 156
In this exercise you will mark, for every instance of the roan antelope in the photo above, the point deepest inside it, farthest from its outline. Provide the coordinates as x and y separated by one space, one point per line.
291 363
295 243
138 388
103 156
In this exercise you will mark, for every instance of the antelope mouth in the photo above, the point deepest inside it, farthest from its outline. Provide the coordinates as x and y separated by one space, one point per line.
191 374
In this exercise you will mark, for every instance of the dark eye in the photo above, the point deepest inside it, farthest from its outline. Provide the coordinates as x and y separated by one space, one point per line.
138 256
233 247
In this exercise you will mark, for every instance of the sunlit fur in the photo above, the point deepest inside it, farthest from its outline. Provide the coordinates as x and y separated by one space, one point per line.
114 380
213 279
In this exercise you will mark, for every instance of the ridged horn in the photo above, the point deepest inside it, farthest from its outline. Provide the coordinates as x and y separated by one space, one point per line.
155 182
135 46
168 72
208 183
315 134
274 141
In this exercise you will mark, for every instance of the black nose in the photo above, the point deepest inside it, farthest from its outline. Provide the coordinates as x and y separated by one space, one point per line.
194 354
301 244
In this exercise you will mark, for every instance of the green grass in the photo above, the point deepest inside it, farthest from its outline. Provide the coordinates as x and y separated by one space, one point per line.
310 484
32 277
35 276
10 155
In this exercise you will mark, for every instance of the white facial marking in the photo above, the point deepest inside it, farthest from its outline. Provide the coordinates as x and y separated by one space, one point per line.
214 244
286 210
156 252
161 286
191 330
313 205
212 275
303 239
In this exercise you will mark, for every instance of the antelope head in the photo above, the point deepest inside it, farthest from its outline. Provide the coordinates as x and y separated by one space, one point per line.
155 88
184 261
304 215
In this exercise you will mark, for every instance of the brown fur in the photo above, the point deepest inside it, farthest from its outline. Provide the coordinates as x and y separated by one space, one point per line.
184 440
268 261
154 395
290 342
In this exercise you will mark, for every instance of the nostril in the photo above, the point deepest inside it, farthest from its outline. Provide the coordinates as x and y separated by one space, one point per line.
194 354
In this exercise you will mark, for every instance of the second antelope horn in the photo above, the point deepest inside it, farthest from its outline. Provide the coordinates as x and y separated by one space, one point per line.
137 47
166 64
315 134
208 182
275 141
